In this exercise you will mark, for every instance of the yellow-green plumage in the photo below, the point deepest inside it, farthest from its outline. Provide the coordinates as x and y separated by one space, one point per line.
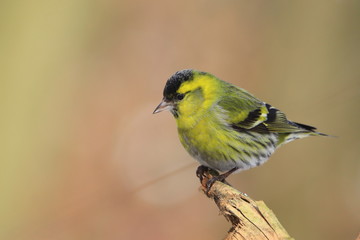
223 126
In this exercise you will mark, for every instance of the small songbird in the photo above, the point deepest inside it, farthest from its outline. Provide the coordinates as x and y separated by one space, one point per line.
223 126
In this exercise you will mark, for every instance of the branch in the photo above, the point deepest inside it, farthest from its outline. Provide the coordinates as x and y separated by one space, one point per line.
251 220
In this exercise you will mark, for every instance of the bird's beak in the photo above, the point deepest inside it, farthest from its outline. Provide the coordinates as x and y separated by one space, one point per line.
163 106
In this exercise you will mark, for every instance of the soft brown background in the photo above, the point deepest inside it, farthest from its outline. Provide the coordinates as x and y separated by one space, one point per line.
79 82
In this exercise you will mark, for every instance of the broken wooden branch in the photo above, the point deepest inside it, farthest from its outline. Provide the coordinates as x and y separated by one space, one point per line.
251 220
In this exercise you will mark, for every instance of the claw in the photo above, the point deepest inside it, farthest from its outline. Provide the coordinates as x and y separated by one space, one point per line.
209 184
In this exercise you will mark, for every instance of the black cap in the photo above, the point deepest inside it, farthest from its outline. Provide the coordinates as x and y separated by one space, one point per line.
174 82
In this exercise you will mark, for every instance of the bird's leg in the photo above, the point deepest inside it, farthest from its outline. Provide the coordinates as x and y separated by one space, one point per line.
204 172
221 178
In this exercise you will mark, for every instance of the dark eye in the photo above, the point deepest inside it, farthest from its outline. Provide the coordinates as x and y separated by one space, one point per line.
180 96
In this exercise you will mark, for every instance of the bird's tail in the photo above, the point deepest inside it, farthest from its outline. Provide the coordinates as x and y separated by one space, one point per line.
311 130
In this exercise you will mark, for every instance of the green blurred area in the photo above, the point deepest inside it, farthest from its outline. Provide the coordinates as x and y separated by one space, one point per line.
80 79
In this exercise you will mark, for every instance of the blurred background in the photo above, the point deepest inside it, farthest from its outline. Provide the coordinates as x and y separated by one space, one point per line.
82 156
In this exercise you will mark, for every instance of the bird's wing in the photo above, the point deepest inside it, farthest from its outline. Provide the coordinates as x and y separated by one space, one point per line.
277 122
245 112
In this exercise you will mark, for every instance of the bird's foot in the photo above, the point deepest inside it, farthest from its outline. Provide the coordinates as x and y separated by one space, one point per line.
203 172
209 176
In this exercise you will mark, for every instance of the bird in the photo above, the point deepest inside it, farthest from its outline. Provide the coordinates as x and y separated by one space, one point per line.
224 127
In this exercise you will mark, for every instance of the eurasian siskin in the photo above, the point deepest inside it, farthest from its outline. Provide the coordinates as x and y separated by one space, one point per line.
223 126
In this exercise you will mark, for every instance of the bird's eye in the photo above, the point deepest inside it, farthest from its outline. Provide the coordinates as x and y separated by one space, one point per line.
180 96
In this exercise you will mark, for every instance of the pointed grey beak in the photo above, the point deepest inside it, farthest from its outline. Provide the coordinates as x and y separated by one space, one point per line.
163 106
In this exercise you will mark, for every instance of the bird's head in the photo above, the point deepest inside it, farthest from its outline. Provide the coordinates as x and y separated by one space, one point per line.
189 92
